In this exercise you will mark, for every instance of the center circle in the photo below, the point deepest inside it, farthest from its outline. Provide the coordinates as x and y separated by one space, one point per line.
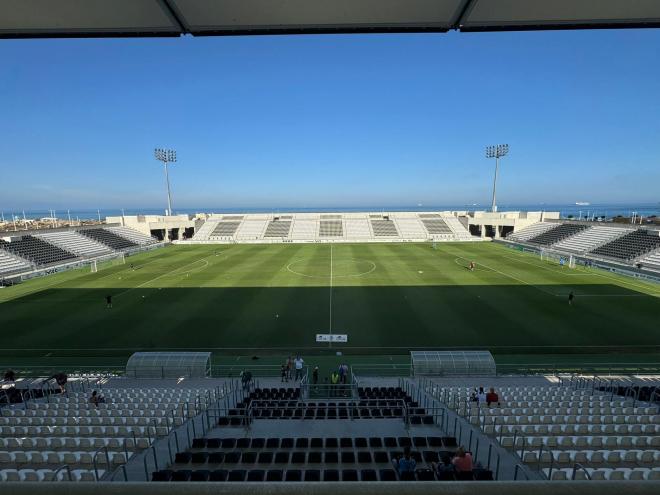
341 267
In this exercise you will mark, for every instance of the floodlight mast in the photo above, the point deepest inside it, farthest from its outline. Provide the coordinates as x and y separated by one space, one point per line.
167 157
497 152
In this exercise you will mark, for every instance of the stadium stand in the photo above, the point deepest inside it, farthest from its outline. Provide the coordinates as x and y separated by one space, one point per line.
322 457
410 228
42 435
591 238
10 263
109 238
533 230
75 243
552 428
37 250
225 229
557 234
652 261
203 233
133 235
304 229
357 228
278 228
331 228
630 246
436 226
383 227
252 228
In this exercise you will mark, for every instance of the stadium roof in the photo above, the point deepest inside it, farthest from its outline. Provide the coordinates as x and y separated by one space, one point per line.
102 18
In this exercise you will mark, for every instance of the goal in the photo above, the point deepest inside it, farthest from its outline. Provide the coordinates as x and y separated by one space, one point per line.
557 257
98 265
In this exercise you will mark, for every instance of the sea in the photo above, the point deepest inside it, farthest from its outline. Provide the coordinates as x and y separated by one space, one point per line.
566 210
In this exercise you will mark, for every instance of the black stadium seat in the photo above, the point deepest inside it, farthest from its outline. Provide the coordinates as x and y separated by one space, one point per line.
275 475
312 475
349 475
256 475
330 475
236 475
369 475
387 475
218 475
200 475
293 475
182 475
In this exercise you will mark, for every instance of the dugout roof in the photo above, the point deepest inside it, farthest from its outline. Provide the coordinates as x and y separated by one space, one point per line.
101 18
444 363
169 365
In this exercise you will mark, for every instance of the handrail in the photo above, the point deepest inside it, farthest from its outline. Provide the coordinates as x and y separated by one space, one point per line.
107 460
122 467
146 455
63 466
519 467
580 466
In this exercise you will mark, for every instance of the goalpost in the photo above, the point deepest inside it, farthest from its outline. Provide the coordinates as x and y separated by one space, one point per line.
102 264
556 257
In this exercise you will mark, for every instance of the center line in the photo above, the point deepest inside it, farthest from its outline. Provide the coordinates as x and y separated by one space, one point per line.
330 324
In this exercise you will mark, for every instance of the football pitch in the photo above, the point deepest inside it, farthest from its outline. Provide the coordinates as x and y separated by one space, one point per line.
245 300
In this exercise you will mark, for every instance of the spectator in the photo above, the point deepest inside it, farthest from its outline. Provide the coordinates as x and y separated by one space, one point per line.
96 399
473 396
445 466
60 379
315 375
405 463
462 460
284 371
246 378
481 396
299 363
10 376
344 373
334 381
340 370
492 397
289 368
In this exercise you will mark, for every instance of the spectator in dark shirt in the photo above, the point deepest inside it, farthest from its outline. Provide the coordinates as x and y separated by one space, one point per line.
492 397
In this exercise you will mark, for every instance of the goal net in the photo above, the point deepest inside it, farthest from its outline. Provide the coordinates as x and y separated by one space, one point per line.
98 265
561 259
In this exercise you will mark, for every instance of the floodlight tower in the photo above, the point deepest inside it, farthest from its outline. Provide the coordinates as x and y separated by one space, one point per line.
497 152
167 157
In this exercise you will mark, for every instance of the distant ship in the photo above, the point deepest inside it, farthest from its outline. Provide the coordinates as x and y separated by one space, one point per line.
582 203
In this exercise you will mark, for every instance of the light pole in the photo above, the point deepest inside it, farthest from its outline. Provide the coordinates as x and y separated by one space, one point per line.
497 152
166 156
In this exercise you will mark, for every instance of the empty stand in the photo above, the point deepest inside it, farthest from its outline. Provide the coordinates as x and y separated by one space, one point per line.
278 228
357 228
533 230
591 238
304 229
410 228
630 246
133 235
331 228
10 263
457 228
37 250
383 227
436 226
225 229
252 228
39 437
109 238
557 234
75 243
651 261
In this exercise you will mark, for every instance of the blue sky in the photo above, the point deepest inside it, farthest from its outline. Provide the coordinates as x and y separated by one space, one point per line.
331 120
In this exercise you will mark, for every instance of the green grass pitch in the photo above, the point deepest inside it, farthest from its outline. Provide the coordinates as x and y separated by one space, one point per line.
388 298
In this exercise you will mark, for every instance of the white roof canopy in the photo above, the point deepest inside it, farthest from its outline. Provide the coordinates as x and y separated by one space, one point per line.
96 18
169 364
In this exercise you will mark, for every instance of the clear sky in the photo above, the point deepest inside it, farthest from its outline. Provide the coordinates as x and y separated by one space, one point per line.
305 121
